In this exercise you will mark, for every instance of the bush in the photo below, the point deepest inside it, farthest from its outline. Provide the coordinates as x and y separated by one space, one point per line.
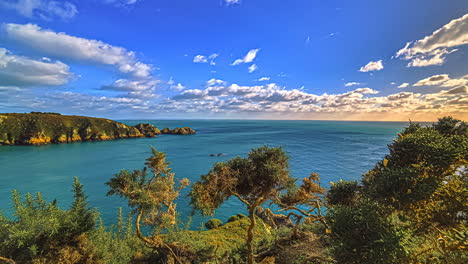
362 234
42 229
343 193
236 217
213 223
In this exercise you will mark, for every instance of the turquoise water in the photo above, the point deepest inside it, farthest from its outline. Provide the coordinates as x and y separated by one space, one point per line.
336 150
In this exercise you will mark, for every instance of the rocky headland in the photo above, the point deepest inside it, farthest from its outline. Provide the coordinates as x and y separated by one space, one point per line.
38 128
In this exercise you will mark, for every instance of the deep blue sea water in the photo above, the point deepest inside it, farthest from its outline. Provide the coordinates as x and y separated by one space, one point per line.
334 149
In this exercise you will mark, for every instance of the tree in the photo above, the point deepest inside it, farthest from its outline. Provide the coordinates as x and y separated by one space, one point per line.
260 177
303 201
82 218
152 198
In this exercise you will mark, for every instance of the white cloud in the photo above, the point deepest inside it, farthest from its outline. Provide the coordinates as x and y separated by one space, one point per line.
271 99
431 50
138 75
215 82
372 66
23 71
232 2
253 68
78 49
205 59
403 85
433 80
178 87
263 79
212 57
442 80
121 2
44 9
200 59
248 58
352 83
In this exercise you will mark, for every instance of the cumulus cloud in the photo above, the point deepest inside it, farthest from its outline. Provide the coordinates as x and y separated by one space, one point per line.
432 49
372 66
44 9
270 99
23 71
403 85
433 80
248 58
74 48
443 81
352 83
253 68
60 45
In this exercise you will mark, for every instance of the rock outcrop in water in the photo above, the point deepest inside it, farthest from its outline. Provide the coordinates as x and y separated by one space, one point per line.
39 128
178 131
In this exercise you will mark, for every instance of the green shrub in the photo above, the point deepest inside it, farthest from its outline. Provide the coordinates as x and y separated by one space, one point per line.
236 217
41 228
343 193
362 234
213 223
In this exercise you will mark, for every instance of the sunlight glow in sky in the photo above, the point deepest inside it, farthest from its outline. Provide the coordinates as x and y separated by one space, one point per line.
268 59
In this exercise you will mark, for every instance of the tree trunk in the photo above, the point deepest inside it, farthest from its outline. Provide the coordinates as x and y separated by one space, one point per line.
149 242
250 236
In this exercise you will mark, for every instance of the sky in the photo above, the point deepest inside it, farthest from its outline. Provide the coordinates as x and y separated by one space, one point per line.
383 60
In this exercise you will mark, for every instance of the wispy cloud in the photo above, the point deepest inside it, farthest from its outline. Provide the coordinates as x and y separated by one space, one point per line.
263 79
352 83
253 68
44 9
403 85
232 2
206 59
248 58
200 59
372 66
432 49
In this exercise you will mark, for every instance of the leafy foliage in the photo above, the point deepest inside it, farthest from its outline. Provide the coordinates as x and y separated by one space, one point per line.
362 234
343 193
151 197
262 176
408 202
213 223
40 227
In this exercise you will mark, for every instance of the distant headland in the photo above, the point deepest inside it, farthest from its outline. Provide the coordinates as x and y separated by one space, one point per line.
39 128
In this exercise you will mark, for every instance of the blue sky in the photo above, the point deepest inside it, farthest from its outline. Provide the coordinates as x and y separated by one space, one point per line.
308 59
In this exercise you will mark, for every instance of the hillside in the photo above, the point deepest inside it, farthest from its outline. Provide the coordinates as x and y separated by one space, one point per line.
38 128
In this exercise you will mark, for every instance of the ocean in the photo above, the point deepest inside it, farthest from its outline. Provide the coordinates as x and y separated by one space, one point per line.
334 149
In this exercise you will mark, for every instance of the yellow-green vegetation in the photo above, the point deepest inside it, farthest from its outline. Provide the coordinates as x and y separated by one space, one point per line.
261 177
38 128
223 244
411 208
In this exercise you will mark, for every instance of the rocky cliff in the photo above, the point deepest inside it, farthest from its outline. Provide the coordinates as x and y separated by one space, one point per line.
48 128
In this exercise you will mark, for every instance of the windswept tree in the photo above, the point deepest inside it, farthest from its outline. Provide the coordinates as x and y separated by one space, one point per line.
152 198
303 201
262 176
